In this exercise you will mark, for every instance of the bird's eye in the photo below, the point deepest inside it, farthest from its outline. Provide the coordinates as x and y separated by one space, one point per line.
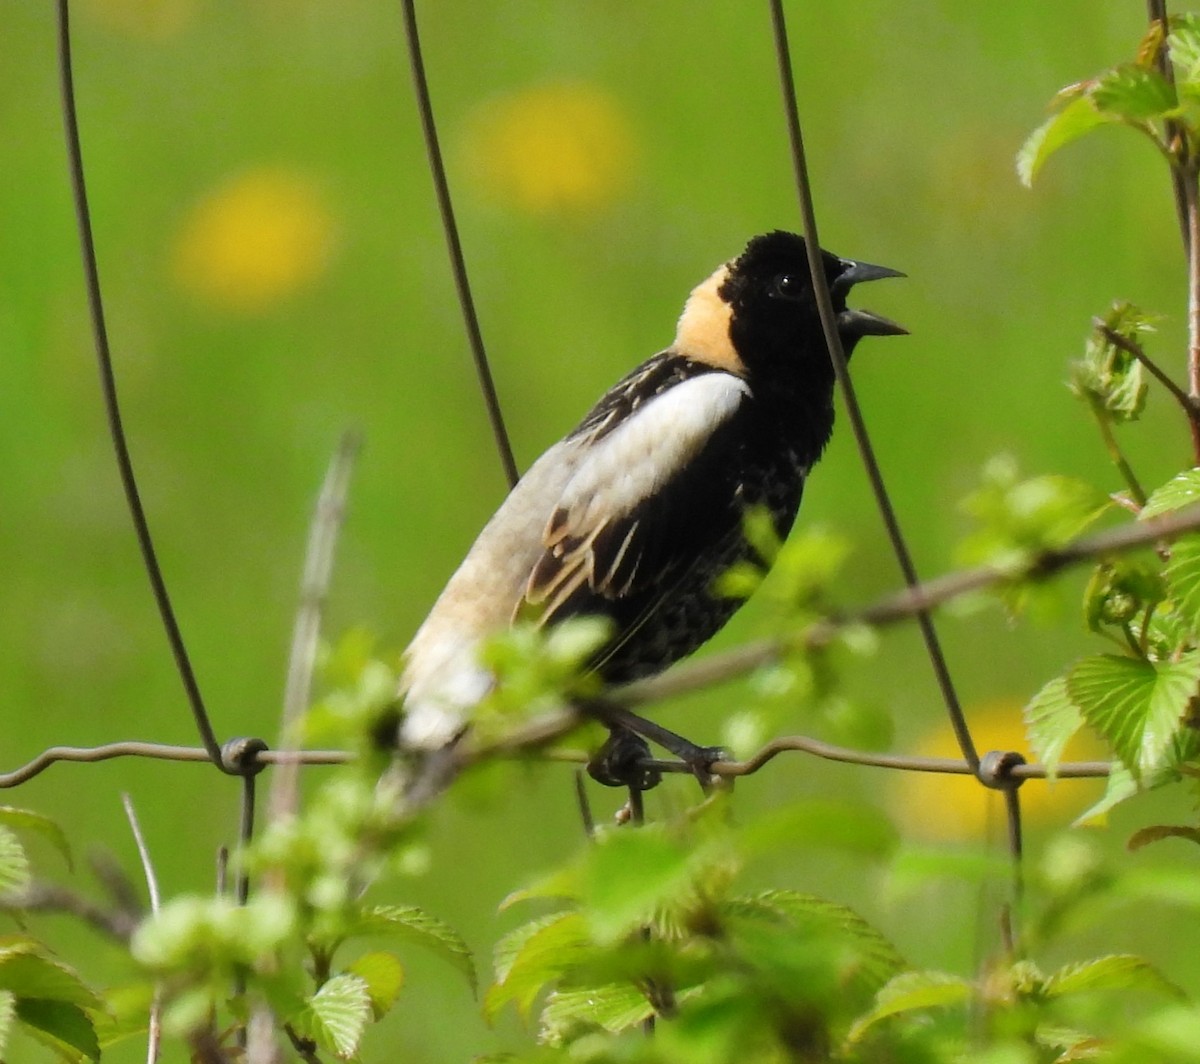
786 286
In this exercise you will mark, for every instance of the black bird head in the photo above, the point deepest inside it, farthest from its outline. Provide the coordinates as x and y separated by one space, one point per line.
773 309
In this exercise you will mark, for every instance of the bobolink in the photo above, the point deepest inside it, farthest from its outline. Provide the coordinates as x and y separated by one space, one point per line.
635 513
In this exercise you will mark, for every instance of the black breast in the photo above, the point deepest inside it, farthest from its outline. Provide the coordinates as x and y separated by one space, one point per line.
752 460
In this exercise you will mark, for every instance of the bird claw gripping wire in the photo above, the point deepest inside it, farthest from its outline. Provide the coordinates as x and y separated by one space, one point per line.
622 762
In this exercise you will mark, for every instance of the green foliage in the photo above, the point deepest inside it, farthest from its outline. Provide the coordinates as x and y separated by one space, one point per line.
1133 94
1016 518
44 827
1181 490
1108 377
656 929
47 1000
336 1016
537 670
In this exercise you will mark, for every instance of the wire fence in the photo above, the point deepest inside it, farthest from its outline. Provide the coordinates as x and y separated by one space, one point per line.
246 757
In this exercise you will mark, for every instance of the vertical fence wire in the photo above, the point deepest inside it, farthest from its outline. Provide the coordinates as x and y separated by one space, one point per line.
458 265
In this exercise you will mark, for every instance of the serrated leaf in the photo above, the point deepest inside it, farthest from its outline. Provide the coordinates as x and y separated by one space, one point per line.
1181 490
14 863
1134 93
908 992
1051 720
1183 578
532 956
614 1008
562 884
31 976
48 829
1118 971
58 1024
337 1015
413 924
384 976
1070 123
807 915
1136 705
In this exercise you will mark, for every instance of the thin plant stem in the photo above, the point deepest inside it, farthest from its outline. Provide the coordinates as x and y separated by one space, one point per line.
1104 424
1157 12
306 631
1132 347
154 1026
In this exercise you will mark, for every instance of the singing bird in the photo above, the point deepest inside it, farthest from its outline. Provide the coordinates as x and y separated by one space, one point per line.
636 512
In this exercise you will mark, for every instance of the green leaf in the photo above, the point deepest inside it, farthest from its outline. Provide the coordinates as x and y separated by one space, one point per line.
1119 971
1133 92
1181 490
1136 705
1070 123
337 1015
383 975
1051 719
562 884
59 1024
808 916
630 876
1183 44
529 958
31 976
1016 517
615 1007
8 1013
36 823
1183 578
1120 786
14 864
125 1013
413 924
910 991
1108 377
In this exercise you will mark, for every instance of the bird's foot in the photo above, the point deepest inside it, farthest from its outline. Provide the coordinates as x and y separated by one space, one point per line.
621 762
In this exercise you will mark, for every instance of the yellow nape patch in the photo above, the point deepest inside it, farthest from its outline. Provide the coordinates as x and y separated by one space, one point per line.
703 332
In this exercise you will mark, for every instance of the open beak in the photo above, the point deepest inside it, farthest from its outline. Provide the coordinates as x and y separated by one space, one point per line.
859 323
864 323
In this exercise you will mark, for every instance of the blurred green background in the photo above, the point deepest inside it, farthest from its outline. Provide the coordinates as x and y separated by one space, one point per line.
274 272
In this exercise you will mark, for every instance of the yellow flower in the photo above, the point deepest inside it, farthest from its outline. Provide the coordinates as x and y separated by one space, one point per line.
551 148
937 807
254 240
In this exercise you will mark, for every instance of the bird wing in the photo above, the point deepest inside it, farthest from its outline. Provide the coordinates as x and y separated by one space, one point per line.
607 526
